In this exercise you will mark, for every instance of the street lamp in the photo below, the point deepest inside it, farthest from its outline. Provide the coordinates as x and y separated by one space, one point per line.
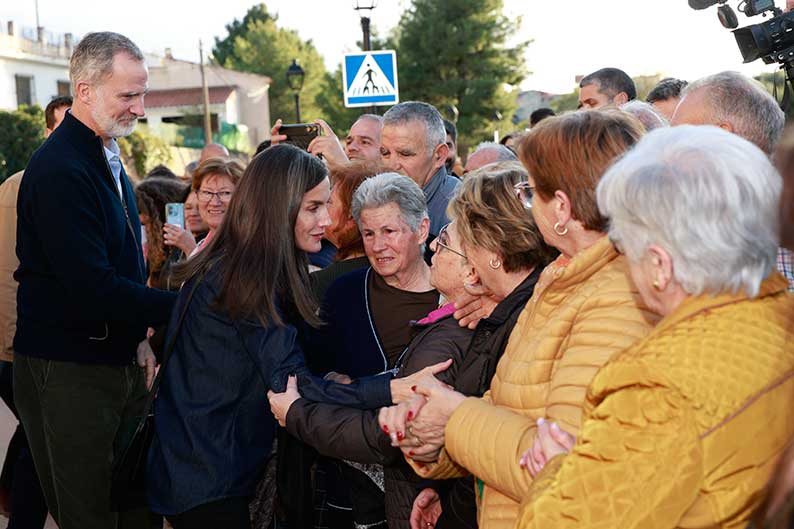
364 8
365 5
295 75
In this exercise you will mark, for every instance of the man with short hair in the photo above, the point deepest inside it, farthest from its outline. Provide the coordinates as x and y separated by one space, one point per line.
740 105
539 115
413 143
361 143
605 87
486 153
82 303
22 494
452 145
665 96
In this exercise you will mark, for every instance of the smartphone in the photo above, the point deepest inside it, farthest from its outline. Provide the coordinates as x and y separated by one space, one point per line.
175 214
300 134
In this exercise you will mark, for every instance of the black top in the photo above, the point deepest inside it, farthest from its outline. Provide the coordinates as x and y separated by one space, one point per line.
82 295
322 279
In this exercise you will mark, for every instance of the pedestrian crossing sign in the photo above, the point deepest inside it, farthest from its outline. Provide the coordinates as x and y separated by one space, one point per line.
370 78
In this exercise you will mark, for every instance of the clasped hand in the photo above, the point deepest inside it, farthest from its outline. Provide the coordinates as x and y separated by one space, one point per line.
550 441
417 425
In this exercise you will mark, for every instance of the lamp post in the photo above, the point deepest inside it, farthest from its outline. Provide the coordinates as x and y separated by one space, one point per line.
362 6
364 9
295 75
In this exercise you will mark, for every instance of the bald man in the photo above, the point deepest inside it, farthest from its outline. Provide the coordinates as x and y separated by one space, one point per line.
213 150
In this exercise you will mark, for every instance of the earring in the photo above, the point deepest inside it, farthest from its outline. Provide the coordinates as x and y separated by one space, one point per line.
495 263
656 284
557 229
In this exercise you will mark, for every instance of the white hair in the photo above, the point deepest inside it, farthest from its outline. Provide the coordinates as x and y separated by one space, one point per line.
708 197
650 118
391 188
503 154
92 58
744 103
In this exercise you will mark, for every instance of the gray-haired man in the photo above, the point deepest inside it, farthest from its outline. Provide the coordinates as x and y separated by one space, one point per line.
82 302
413 143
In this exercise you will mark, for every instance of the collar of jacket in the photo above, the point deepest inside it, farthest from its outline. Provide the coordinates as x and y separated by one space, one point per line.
435 183
518 296
77 133
581 266
692 306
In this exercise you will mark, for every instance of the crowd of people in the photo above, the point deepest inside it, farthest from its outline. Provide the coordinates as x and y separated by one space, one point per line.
589 324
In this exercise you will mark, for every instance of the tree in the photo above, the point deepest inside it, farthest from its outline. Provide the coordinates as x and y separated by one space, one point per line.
455 52
141 152
21 133
257 45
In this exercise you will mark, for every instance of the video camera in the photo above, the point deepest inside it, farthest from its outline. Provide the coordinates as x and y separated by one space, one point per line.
771 41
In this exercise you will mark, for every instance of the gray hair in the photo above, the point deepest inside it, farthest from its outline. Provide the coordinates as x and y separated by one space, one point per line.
92 59
708 197
744 103
410 111
391 188
503 154
648 116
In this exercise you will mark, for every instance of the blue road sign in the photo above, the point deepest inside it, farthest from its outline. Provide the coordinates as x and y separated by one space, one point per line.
370 78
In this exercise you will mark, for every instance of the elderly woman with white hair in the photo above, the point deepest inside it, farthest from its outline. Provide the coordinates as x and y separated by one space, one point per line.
683 428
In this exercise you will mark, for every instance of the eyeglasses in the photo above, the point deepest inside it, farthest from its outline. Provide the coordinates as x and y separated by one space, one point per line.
207 196
443 241
524 192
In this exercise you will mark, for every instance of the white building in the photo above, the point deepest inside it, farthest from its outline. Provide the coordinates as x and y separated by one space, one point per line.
236 99
34 66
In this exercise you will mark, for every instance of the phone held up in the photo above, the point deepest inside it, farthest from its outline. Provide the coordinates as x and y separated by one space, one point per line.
175 214
300 134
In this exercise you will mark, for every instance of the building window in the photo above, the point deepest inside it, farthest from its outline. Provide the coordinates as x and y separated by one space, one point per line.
64 88
24 90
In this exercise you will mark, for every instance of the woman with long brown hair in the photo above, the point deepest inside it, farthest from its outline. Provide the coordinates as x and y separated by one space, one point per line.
213 430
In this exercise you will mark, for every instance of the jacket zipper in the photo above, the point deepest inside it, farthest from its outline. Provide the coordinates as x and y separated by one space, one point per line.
123 204
372 324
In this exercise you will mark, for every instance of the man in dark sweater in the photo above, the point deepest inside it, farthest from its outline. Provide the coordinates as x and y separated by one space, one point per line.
82 302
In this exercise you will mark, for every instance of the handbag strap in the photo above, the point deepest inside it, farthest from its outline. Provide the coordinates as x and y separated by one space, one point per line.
169 347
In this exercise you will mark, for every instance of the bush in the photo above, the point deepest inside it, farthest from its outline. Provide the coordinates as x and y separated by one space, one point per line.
21 133
143 151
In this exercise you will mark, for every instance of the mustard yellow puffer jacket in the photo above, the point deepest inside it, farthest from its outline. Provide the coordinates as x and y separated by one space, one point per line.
582 313
683 429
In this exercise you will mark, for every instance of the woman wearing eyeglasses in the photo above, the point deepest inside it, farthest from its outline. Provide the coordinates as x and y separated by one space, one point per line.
213 184
584 310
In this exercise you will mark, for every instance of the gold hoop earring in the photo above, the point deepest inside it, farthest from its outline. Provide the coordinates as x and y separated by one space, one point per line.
557 229
495 263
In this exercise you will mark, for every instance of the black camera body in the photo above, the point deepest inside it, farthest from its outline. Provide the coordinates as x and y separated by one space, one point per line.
771 41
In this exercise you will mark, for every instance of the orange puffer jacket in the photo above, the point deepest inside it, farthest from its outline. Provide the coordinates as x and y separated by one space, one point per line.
683 429
582 312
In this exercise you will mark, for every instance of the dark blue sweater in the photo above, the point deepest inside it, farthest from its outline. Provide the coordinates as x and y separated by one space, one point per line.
82 295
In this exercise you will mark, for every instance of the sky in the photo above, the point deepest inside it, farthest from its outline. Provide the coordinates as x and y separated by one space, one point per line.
569 37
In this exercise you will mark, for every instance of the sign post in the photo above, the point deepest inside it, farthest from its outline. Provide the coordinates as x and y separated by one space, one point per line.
370 79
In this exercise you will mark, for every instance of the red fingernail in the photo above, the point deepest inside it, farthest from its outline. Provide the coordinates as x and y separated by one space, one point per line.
400 436
413 388
386 429
410 415
410 452
420 465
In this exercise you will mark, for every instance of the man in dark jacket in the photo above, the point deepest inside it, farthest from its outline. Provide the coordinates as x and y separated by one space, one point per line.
82 302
